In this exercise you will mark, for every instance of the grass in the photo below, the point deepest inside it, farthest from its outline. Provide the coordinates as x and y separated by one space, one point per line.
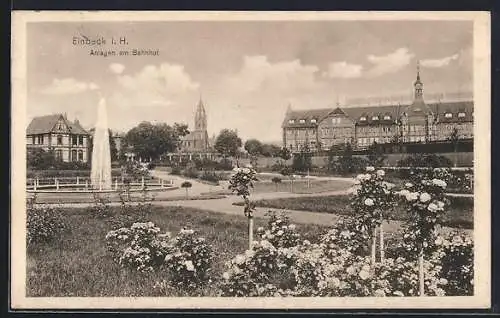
459 215
79 265
88 198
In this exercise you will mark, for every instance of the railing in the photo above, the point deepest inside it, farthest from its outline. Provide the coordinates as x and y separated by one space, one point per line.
117 182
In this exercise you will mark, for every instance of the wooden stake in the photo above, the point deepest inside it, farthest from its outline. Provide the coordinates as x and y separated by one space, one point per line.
374 249
250 232
382 251
421 273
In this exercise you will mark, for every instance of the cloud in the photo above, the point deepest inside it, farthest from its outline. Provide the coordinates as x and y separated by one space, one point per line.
344 70
390 63
155 86
68 86
117 68
258 74
166 79
437 63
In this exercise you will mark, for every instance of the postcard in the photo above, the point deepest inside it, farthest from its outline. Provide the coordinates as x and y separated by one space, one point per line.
250 160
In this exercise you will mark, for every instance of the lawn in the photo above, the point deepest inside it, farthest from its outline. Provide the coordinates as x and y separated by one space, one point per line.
459 215
78 263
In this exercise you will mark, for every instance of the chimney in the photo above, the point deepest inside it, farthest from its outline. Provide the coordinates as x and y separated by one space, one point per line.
65 116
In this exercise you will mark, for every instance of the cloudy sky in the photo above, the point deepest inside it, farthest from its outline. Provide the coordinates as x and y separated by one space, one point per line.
246 72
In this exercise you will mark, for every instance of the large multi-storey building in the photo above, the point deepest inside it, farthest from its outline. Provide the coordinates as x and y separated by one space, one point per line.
416 122
67 139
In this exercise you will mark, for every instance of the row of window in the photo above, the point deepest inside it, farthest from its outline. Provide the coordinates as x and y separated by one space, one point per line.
376 117
75 140
75 155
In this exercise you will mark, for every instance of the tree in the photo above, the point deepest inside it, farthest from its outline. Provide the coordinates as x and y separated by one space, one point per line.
270 150
186 185
376 155
454 138
285 154
40 159
253 146
153 140
227 143
345 162
333 153
302 161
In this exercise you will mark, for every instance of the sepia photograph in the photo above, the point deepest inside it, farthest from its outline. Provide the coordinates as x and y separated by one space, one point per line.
250 160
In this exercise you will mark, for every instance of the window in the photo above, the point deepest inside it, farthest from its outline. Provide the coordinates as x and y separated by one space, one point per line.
362 118
302 121
313 121
461 115
59 139
80 155
40 139
387 117
74 140
448 115
73 155
59 154
33 140
80 140
291 121
375 118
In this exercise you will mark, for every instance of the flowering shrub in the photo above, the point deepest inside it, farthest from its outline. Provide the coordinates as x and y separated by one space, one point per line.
425 203
372 197
140 246
43 224
280 232
189 261
455 256
347 234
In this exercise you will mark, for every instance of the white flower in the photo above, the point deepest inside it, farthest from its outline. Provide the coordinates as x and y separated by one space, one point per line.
432 207
379 293
225 275
369 202
408 185
424 197
364 274
443 281
439 183
334 282
370 168
280 232
239 259
360 177
380 173
189 266
440 204
404 192
246 170
291 226
350 270
249 253
412 196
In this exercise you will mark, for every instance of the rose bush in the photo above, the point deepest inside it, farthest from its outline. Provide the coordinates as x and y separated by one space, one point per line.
43 224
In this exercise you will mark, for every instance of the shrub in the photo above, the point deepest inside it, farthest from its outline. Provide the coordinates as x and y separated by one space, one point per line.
176 171
425 160
210 177
189 261
141 246
280 232
43 224
455 257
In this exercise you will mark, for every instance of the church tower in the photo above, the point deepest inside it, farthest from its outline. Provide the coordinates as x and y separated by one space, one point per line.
419 86
200 118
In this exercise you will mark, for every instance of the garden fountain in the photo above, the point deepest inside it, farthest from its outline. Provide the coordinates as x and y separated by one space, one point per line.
100 175
101 179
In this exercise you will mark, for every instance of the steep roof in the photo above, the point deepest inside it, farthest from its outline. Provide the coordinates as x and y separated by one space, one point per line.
45 124
355 113
306 115
393 111
440 110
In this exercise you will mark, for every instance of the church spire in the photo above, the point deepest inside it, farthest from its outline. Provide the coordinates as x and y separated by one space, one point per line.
200 118
418 85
